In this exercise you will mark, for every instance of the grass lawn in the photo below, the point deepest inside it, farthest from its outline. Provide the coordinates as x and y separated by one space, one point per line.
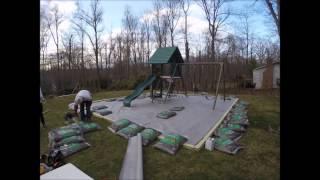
259 160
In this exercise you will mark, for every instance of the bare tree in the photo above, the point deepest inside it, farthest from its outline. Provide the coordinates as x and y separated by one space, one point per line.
185 4
141 46
274 9
157 23
164 29
160 24
172 15
216 17
53 23
130 23
119 45
260 51
110 50
245 31
93 20
44 34
80 28
67 42
146 25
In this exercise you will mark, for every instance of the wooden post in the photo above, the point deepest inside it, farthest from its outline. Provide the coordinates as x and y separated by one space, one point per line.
152 84
215 101
224 84
161 73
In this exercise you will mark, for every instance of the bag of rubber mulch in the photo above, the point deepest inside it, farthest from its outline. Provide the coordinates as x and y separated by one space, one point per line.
177 108
238 116
166 114
87 127
62 133
226 145
119 124
71 126
238 119
171 143
70 149
228 133
243 122
239 113
245 103
149 135
103 112
99 107
238 108
130 131
235 127
68 140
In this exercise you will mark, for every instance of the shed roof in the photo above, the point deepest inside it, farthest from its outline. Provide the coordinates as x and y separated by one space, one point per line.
261 67
166 55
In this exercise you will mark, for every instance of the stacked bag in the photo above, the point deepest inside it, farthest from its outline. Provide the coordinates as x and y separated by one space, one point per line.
69 139
130 131
170 143
232 129
127 129
170 113
101 109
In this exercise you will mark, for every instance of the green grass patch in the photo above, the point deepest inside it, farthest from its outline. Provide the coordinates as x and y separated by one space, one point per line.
259 160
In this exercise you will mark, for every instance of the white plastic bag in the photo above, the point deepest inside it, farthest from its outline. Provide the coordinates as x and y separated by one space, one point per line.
209 144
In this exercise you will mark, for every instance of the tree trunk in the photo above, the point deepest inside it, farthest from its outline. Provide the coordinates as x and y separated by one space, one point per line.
171 34
148 48
96 52
69 53
212 49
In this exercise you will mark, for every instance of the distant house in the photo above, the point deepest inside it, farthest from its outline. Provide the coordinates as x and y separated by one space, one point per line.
267 76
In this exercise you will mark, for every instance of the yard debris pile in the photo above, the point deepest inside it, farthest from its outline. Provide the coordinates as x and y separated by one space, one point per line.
171 143
51 161
231 130
69 139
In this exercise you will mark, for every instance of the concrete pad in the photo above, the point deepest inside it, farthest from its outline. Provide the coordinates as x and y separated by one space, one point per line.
196 122
65 172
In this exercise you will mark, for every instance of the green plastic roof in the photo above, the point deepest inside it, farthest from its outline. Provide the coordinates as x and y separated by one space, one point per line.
166 55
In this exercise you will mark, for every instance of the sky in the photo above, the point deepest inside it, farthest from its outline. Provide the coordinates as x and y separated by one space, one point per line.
113 10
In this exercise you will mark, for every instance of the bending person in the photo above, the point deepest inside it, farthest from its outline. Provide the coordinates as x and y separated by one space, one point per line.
84 100
42 100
